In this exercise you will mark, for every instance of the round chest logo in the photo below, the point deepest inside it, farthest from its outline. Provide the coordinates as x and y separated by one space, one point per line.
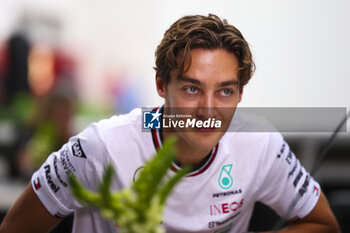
225 178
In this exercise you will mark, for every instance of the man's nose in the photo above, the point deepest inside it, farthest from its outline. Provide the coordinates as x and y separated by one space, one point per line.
206 108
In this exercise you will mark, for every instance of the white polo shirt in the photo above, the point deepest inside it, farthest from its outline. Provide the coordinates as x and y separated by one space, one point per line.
243 168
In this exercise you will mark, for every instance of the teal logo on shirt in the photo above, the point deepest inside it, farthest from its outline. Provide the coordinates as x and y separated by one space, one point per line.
225 178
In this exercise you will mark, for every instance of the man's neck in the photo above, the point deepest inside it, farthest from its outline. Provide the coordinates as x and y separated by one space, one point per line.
187 154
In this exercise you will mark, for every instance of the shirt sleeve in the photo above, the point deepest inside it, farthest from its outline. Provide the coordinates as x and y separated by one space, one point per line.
83 155
287 187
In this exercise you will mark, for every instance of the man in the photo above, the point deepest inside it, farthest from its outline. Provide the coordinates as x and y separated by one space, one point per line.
202 66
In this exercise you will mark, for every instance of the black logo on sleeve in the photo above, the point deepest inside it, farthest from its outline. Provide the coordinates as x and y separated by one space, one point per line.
297 179
53 186
303 189
289 157
66 163
78 150
293 169
281 150
57 173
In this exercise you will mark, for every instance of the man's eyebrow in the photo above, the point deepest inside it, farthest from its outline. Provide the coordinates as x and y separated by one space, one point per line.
229 83
190 80
195 81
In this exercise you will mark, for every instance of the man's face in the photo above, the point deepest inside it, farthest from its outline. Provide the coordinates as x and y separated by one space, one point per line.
208 89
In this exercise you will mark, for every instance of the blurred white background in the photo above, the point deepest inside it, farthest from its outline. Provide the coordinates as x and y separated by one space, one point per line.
301 48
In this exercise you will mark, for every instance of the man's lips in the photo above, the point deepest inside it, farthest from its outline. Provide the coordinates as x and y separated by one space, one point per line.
205 130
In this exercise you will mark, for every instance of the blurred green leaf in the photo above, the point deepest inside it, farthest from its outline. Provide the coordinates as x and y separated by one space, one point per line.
138 209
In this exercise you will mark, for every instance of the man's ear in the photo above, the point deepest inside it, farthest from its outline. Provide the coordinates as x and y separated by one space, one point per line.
161 86
240 94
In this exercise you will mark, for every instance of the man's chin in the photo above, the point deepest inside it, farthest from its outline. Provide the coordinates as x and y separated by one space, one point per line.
205 130
202 139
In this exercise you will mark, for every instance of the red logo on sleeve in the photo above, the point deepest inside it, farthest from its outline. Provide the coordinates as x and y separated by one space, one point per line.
316 190
37 184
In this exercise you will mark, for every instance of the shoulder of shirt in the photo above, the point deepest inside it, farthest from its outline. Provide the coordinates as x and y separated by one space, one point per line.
131 119
98 135
253 130
244 122
115 126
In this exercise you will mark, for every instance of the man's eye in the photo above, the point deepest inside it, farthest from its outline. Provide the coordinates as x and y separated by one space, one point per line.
191 90
226 92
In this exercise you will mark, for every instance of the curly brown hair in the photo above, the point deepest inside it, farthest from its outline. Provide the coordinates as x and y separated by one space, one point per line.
197 31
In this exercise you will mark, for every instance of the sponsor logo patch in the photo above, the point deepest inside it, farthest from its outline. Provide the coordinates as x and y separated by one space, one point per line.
225 229
213 224
303 188
78 150
293 169
289 157
67 165
53 186
316 190
297 179
225 178
281 150
37 184
225 208
228 193
57 173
